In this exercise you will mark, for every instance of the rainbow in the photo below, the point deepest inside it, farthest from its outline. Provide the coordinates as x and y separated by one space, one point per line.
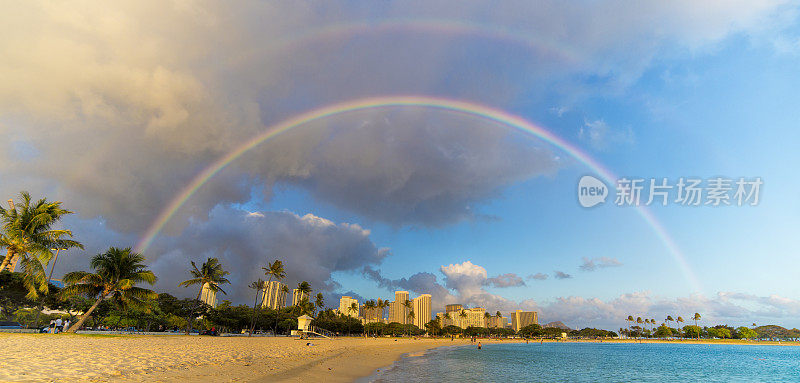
340 32
456 106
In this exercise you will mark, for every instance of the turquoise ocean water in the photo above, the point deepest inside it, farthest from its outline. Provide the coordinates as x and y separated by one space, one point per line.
599 362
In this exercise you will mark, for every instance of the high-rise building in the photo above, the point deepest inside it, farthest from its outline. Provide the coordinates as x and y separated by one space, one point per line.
344 306
475 318
520 319
453 308
497 322
297 297
208 296
274 296
422 310
398 310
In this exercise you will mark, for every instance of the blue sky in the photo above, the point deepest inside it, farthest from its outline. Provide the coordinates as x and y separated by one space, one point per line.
115 118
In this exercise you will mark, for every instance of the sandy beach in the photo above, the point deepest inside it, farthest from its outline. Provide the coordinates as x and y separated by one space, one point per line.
177 358
45 357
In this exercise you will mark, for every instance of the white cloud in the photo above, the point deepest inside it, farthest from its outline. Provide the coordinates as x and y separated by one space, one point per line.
592 264
601 136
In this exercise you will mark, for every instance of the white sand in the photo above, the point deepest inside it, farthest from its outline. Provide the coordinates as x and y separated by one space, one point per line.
47 357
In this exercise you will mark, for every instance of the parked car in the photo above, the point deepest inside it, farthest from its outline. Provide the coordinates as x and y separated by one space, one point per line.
10 325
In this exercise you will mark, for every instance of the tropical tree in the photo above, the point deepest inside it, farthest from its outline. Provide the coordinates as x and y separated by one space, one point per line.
352 309
411 317
669 319
117 272
319 302
259 286
448 317
486 317
463 316
28 237
368 307
304 289
210 275
696 317
408 305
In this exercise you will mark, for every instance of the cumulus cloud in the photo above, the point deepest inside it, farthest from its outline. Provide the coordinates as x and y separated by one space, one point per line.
537 276
561 275
465 283
592 264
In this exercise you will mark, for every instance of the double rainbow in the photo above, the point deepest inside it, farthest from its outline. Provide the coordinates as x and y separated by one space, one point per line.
455 106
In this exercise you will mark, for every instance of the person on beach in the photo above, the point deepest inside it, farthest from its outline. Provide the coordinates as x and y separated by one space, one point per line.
58 325
52 328
66 324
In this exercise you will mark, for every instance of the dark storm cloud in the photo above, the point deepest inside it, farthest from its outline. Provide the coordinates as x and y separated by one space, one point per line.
115 118
310 247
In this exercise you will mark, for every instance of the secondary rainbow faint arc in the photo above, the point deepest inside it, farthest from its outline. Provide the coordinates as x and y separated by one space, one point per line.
457 106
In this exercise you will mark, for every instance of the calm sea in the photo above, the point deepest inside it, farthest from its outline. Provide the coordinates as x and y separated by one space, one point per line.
599 362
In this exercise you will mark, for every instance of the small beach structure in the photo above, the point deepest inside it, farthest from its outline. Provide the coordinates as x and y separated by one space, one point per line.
304 323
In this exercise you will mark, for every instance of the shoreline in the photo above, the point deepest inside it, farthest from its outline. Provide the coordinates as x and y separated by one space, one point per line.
145 358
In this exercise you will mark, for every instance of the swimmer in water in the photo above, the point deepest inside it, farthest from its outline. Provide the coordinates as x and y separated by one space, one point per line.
479 345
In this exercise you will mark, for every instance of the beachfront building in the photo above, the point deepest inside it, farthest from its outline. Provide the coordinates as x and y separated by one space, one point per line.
274 296
298 297
398 312
475 318
344 306
442 320
497 322
453 308
422 310
208 296
520 319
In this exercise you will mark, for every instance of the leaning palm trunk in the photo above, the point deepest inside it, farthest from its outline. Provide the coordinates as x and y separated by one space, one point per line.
7 260
86 315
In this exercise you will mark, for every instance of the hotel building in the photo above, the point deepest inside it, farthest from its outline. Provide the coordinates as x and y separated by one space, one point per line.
520 319
422 310
495 322
274 296
208 296
398 312
298 297
344 306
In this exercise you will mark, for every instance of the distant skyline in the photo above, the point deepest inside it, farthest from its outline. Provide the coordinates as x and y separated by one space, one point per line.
116 108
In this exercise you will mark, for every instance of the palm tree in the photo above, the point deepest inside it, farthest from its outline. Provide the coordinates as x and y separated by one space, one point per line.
319 302
304 288
448 317
696 317
210 275
368 307
669 319
407 304
639 320
258 286
379 305
486 317
630 321
352 309
462 315
28 237
117 271
411 317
